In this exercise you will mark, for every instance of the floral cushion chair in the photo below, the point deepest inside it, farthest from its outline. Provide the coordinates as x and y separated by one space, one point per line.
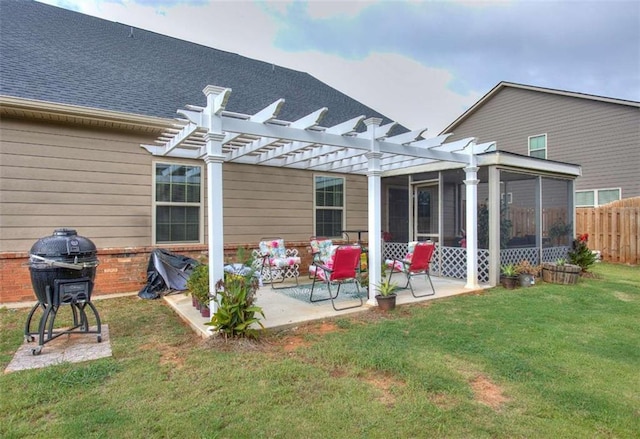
321 251
276 262
324 257
416 262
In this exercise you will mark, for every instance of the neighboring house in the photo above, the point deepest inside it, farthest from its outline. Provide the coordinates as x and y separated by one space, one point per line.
601 134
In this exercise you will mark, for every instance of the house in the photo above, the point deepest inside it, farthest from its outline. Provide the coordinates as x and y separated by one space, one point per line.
601 134
89 139
79 95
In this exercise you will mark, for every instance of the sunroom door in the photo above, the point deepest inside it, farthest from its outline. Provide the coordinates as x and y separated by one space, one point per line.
425 212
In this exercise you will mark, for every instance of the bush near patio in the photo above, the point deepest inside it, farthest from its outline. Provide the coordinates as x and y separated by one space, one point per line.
559 361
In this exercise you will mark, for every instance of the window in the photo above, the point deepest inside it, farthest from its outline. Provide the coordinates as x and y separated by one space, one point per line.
585 199
506 198
178 202
607 196
329 205
538 146
597 197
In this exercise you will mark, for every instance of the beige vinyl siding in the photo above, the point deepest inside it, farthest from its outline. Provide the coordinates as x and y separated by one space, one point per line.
100 182
602 137
55 175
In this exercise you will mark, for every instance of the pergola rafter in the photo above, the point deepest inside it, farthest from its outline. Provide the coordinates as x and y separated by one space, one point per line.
215 135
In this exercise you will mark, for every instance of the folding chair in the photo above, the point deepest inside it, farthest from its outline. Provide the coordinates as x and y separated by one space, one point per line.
321 252
343 267
416 263
277 262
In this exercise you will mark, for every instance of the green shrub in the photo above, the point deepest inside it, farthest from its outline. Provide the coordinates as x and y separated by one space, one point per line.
580 254
236 311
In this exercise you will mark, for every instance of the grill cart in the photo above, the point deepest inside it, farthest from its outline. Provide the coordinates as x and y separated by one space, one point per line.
63 269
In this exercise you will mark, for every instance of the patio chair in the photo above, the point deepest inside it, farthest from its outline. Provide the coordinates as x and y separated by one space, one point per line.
415 263
321 252
342 268
277 263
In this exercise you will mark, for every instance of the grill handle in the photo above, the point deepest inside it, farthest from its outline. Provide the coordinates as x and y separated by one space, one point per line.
74 266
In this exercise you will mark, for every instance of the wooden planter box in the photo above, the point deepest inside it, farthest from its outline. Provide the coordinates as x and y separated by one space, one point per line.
567 274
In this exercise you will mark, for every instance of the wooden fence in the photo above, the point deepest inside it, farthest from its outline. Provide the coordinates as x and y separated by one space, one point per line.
614 229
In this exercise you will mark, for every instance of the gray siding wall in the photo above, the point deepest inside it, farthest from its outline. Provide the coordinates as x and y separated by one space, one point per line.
604 138
100 181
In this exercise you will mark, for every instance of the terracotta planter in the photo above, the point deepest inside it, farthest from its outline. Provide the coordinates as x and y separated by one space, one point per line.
386 303
566 274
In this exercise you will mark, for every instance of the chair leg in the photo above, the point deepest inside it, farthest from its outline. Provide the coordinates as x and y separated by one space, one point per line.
346 307
313 285
283 271
433 290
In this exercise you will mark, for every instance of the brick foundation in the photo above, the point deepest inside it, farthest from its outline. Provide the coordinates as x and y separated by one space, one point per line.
121 270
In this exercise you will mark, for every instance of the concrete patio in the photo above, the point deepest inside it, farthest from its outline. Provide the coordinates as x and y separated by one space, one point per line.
282 311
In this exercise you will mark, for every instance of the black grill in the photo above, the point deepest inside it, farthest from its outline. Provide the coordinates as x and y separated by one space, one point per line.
63 270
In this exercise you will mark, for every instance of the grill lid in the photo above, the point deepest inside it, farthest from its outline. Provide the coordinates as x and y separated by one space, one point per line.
63 242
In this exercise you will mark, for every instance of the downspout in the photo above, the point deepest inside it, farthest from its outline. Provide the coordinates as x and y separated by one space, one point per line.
374 174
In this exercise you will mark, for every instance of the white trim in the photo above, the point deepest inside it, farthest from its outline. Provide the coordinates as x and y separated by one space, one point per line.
344 202
154 203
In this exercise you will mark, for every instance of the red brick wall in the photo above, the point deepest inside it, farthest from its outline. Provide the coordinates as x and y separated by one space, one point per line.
121 270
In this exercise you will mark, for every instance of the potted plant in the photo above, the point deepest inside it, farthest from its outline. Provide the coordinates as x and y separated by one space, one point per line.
386 296
527 273
509 277
198 285
560 272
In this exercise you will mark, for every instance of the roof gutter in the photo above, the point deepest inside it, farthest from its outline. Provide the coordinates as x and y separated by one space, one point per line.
75 113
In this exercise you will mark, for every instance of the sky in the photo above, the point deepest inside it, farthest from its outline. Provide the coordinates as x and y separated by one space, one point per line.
420 63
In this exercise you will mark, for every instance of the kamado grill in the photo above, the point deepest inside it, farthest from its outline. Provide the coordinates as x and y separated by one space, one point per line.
63 269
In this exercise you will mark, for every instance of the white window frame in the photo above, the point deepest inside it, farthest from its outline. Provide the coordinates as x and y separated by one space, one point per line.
546 145
344 202
154 203
508 196
596 196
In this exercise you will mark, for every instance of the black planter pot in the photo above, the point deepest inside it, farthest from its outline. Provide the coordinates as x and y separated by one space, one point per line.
386 303
510 282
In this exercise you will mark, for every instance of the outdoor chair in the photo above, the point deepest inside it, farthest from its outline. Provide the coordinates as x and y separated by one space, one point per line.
415 263
342 268
321 252
277 263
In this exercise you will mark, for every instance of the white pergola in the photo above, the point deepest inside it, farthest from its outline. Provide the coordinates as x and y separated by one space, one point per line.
217 136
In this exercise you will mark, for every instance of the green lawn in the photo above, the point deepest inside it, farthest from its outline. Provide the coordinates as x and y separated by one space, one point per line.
549 361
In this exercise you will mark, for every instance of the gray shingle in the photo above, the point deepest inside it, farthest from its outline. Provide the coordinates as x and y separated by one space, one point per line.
52 54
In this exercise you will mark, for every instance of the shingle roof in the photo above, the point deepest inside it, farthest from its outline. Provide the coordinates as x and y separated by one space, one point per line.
52 54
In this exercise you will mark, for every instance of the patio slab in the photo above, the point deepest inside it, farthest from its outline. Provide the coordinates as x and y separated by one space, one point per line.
69 348
282 311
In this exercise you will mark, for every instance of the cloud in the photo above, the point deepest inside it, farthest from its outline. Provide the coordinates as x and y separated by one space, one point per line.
591 47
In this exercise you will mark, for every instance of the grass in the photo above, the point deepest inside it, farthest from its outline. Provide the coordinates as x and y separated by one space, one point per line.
545 361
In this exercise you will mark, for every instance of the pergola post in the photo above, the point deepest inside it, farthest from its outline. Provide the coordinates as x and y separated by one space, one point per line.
215 229
471 183
374 174
212 120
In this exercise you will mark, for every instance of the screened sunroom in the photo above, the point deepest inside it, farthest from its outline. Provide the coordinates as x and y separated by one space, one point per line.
525 211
